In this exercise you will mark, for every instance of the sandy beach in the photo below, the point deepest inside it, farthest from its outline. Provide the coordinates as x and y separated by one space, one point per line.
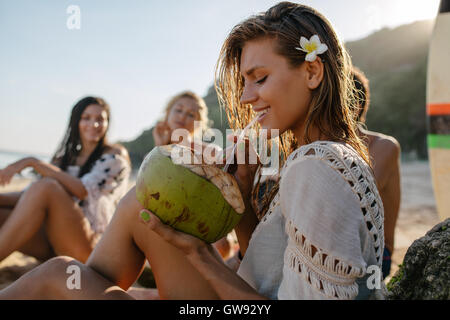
417 216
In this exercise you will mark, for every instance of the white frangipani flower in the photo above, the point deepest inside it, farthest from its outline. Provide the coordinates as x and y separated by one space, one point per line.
312 47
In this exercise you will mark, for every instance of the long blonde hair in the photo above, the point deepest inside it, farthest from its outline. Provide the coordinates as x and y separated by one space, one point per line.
202 110
332 106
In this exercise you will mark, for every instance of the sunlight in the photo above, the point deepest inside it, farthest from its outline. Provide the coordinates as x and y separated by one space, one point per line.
408 11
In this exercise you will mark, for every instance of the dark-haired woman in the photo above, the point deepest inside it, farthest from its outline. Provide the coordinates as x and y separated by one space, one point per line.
69 207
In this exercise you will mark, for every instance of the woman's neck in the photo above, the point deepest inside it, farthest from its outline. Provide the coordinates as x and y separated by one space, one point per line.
87 149
314 135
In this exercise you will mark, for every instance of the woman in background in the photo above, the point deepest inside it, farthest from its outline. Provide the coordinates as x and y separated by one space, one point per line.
385 154
181 112
68 208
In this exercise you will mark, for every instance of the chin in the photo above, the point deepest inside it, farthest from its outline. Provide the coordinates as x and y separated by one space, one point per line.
93 140
267 127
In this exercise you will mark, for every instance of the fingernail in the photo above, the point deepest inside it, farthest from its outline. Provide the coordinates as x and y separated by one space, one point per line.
145 215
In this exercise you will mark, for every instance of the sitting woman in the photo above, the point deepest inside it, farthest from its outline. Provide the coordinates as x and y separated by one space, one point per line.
324 227
67 210
182 112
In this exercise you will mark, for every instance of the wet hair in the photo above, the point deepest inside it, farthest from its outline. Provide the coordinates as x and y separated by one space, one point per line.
203 109
362 94
332 105
70 147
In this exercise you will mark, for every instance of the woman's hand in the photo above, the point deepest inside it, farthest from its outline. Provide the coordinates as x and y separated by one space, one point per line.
161 133
189 245
244 173
205 259
8 173
246 162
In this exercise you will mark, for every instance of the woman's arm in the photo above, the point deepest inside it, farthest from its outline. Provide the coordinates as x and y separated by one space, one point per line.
245 228
8 172
73 185
225 282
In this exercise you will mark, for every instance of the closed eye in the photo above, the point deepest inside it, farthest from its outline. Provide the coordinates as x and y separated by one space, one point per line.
260 81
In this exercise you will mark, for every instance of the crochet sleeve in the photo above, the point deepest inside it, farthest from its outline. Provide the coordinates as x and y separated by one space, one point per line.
106 183
324 222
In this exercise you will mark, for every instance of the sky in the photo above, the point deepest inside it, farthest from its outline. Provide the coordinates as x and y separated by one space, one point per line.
135 54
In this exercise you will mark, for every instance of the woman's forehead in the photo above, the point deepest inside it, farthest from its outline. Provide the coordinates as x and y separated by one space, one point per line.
256 54
187 103
94 109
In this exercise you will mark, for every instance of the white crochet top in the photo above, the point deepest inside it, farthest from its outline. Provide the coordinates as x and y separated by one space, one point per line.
106 184
322 231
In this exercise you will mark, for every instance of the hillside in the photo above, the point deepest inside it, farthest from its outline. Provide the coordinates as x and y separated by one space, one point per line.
394 60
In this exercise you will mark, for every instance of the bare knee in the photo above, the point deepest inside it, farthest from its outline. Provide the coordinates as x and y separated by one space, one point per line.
49 184
43 282
58 273
45 186
128 207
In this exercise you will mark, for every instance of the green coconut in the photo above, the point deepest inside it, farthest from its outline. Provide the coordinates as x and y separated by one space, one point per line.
198 199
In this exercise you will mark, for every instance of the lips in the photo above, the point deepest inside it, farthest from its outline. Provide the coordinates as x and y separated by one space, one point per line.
258 110
261 113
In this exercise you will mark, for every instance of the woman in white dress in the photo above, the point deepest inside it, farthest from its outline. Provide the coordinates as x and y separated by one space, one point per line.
66 211
322 236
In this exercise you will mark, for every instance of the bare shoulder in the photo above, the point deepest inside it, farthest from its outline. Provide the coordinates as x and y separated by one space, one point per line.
118 149
384 144
384 152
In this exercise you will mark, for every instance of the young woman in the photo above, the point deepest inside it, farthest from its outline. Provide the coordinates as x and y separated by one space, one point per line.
66 211
181 113
324 226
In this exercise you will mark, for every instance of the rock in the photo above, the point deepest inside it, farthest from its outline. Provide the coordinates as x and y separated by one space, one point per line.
425 271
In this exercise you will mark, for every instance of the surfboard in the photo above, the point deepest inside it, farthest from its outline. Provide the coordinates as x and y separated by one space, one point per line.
438 109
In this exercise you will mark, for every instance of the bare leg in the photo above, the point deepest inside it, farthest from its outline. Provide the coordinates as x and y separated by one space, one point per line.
38 246
175 277
49 281
10 199
115 264
47 203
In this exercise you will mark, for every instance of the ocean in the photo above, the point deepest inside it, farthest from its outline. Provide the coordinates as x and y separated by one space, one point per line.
8 157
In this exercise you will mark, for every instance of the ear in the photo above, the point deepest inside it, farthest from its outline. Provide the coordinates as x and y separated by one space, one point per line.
314 72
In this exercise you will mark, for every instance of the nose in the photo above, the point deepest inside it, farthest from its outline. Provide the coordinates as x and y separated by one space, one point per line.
182 116
96 124
249 95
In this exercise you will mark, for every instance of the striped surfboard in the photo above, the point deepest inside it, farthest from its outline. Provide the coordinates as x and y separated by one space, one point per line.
438 109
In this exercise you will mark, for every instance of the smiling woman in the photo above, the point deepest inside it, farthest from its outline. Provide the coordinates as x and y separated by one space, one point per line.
181 112
67 210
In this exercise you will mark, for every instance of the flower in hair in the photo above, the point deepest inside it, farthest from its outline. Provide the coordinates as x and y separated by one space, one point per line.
312 47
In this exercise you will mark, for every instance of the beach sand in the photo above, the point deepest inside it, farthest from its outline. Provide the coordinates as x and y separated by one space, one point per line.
417 216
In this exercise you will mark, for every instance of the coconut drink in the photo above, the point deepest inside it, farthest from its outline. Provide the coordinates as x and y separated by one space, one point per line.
198 199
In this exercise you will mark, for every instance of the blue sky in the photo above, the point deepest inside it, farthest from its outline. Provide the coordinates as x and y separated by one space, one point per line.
135 54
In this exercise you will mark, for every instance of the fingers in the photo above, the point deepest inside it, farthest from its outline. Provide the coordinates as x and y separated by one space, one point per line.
245 151
246 158
182 241
5 177
161 133
162 125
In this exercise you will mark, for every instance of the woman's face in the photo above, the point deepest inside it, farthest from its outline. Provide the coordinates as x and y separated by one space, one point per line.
183 114
93 124
271 84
